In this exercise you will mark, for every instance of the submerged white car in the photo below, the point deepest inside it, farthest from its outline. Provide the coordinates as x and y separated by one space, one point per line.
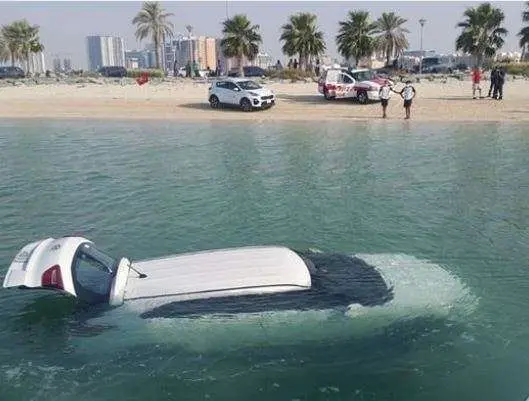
241 92
193 283
235 281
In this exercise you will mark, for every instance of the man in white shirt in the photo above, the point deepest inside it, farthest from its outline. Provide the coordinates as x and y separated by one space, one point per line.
384 93
407 93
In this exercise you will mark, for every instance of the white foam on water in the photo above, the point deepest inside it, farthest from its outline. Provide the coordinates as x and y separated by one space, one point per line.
420 288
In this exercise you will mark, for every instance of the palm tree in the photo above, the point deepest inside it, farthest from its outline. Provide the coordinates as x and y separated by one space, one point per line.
4 51
34 48
302 37
20 38
524 32
154 21
390 35
354 36
482 34
241 39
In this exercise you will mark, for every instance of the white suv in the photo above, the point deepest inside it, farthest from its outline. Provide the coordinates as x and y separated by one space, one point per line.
242 92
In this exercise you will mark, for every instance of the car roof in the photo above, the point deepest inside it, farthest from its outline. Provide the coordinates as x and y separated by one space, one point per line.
235 80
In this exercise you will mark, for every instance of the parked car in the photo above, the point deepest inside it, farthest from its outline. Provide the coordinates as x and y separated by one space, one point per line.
113 71
249 71
11 72
435 65
360 84
242 92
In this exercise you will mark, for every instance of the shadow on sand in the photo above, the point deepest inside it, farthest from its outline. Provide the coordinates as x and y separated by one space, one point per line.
314 99
455 98
221 109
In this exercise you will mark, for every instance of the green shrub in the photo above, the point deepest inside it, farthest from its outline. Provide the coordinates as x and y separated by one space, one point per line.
516 68
153 73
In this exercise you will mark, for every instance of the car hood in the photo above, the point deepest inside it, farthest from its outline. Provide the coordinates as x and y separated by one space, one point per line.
261 92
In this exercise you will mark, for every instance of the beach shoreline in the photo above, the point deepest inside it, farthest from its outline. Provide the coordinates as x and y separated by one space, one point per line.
437 101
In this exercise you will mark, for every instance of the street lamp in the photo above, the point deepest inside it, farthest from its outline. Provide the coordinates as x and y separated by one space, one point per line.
422 21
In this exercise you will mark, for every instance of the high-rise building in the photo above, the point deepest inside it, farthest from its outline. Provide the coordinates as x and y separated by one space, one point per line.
225 63
210 54
105 51
263 60
56 65
67 64
186 50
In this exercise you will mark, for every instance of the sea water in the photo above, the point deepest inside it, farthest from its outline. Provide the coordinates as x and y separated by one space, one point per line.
442 207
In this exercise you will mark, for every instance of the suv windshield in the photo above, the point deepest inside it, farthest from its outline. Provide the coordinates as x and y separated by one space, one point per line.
249 85
93 272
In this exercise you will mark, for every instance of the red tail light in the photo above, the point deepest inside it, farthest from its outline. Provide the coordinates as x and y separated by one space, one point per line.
330 87
52 278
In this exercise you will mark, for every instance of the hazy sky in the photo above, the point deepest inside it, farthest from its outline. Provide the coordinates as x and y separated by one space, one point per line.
64 25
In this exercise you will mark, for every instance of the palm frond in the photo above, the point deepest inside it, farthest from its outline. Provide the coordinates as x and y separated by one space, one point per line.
482 32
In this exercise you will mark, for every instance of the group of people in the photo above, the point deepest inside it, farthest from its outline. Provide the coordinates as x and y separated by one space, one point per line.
497 80
407 94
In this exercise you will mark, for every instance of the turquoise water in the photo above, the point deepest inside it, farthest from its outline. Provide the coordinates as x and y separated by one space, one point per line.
451 196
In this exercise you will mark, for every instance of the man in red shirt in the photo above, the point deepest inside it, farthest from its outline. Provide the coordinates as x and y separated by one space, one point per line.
476 79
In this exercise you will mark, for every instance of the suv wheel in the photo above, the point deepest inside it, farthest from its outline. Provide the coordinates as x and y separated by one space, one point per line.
214 102
362 98
246 105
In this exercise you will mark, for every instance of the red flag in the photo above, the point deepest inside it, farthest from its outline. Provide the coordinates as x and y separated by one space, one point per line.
143 78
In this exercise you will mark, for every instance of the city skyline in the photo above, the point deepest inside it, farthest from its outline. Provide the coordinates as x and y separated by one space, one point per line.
62 35
105 51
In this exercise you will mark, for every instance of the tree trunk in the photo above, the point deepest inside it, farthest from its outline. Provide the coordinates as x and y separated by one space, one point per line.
241 69
12 59
157 50
479 60
301 62
27 63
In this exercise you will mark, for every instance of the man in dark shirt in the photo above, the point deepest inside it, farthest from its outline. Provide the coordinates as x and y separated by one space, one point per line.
493 80
500 81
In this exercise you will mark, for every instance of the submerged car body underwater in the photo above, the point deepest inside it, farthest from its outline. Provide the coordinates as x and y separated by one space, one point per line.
243 294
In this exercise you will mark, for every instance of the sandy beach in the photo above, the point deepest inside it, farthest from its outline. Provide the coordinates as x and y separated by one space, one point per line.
187 100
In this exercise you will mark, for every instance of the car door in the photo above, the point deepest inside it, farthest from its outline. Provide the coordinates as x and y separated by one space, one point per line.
345 86
233 93
221 91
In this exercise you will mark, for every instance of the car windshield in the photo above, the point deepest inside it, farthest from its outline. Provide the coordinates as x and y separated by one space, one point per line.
93 272
363 75
249 85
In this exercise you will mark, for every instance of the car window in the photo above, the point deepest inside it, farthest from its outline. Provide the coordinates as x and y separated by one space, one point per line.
332 76
231 86
249 85
363 75
221 85
346 79
92 273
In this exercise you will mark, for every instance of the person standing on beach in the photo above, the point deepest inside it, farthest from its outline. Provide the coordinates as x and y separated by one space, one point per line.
493 80
476 80
500 81
384 93
407 93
